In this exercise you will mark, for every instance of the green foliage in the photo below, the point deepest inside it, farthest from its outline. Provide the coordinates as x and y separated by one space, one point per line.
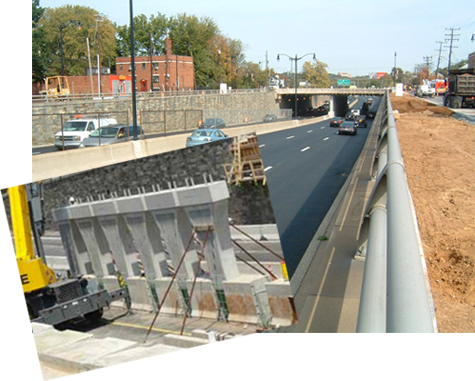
39 51
74 45
143 27
316 74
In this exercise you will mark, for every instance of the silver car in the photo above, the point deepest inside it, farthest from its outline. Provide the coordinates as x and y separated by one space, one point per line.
111 135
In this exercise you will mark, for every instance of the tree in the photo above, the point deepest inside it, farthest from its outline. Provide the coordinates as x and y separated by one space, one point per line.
39 50
316 74
74 45
143 27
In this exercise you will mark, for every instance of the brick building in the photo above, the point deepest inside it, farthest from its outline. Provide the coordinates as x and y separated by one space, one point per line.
168 72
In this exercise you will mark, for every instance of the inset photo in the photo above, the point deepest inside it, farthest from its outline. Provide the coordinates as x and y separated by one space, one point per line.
150 256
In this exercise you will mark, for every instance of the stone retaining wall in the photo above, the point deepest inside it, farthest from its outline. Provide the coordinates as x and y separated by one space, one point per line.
157 114
250 204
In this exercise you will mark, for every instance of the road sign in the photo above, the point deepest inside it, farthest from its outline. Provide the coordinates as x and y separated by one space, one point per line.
343 82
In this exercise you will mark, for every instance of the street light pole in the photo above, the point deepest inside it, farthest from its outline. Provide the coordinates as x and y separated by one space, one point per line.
132 57
295 77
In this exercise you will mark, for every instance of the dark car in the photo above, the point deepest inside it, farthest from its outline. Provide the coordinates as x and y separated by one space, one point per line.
270 118
111 135
372 112
213 123
205 135
348 127
336 122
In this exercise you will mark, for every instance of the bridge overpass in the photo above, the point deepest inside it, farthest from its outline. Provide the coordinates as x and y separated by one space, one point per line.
310 98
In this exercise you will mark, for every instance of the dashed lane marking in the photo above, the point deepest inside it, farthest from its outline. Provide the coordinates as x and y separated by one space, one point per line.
262 145
326 138
290 137
266 169
303 150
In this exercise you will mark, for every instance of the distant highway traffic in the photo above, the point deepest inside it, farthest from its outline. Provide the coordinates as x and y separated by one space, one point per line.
306 168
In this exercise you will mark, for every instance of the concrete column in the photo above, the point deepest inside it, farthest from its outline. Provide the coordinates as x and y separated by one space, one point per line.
176 232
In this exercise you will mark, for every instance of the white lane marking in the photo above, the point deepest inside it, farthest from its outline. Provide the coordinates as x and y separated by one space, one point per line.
266 169
290 137
303 150
321 128
326 138
262 145
309 131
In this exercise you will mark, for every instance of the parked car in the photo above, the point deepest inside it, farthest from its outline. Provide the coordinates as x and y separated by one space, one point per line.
348 127
111 135
270 118
336 122
205 135
213 123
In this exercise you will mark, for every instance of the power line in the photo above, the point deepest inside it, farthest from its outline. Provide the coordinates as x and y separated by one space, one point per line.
452 39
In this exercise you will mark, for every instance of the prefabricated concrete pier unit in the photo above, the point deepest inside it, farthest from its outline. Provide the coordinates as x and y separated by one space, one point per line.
152 238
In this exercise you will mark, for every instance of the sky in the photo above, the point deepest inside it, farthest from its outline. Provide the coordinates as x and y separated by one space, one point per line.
356 37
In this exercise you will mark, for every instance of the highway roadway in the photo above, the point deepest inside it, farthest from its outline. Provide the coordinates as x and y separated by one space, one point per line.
306 168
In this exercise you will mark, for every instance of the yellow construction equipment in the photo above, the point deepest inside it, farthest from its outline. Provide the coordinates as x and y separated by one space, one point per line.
34 273
48 299
56 86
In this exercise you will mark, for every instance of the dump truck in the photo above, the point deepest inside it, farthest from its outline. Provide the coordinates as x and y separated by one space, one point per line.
461 89
49 299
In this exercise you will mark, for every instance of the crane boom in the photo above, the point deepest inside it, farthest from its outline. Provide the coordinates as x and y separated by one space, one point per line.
34 273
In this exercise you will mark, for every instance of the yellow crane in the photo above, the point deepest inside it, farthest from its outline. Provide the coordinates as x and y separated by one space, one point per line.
49 300
34 273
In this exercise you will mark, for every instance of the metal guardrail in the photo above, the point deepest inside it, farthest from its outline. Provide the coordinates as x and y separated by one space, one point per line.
140 95
395 294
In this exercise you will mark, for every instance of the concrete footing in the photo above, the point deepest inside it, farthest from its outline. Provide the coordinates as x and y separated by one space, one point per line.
279 294
246 299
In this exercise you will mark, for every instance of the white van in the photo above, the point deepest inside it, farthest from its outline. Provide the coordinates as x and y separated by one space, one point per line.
76 130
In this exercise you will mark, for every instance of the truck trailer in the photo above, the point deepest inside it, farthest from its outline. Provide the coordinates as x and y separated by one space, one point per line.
461 89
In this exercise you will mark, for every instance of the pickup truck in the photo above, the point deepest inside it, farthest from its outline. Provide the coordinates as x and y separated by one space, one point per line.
76 130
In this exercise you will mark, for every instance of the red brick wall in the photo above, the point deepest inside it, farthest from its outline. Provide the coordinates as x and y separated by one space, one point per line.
80 84
184 67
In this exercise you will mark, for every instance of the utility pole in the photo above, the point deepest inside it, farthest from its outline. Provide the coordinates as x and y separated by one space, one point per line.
438 60
395 70
151 63
267 69
428 59
451 34
99 20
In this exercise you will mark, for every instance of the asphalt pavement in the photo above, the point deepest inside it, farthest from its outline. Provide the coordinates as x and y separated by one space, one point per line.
305 169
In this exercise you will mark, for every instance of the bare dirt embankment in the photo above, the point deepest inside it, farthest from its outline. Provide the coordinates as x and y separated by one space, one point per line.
439 155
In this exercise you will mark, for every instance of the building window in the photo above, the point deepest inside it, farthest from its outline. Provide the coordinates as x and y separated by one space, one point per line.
121 67
143 66
156 78
155 65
